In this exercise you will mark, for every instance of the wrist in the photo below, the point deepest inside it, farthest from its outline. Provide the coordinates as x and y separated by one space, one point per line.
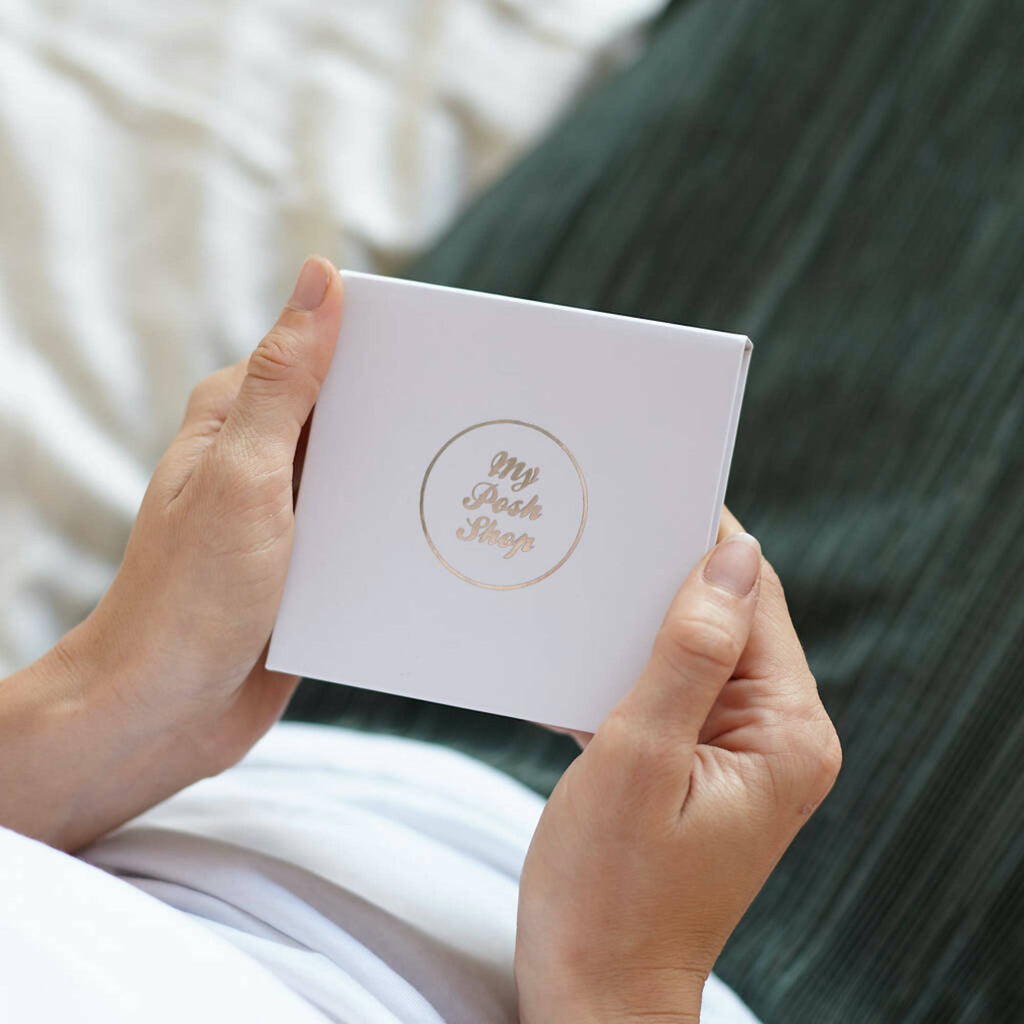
42 710
656 996
77 759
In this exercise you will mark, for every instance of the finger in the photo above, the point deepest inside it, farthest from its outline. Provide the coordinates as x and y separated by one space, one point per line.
728 524
212 398
773 650
582 738
284 373
773 638
207 409
699 644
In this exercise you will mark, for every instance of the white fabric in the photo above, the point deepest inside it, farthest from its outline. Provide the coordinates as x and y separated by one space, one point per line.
375 877
164 167
78 945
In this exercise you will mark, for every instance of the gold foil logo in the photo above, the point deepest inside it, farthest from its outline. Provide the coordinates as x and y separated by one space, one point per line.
493 530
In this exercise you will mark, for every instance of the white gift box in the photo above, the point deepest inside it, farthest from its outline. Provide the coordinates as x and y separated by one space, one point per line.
499 498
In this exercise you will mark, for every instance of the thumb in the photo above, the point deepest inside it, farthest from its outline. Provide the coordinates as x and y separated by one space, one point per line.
698 646
287 368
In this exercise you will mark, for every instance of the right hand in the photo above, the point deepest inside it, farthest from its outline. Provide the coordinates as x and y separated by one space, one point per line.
661 833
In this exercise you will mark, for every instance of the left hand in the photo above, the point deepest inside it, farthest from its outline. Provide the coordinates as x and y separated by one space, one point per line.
167 674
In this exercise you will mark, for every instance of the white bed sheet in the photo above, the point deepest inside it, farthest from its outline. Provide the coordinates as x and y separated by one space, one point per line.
163 170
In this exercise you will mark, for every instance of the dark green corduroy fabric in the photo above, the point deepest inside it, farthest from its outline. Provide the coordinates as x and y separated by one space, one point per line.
844 182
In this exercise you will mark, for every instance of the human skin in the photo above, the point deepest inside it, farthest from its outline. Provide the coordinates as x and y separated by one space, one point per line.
661 833
651 847
164 683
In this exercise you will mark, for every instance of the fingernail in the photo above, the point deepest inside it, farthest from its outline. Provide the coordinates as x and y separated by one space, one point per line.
735 564
311 286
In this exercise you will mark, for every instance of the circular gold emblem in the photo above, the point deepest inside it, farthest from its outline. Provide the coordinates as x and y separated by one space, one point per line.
503 504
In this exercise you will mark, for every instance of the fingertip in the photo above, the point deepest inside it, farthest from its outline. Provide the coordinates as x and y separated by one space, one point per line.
320 324
318 288
328 314
735 565
334 281
745 538
728 525
311 285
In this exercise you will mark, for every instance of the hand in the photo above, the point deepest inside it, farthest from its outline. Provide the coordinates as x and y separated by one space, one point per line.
166 676
664 829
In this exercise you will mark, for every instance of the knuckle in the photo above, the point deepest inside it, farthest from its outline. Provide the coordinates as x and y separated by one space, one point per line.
279 362
831 755
688 641
629 740
640 751
201 390
617 732
275 357
823 756
200 396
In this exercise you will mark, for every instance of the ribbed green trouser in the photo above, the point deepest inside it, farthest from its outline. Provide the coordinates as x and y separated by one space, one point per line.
844 182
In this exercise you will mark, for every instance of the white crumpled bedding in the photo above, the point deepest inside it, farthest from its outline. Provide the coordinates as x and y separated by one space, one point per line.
163 170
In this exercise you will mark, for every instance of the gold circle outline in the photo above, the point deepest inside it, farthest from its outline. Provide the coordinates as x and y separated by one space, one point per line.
503 586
